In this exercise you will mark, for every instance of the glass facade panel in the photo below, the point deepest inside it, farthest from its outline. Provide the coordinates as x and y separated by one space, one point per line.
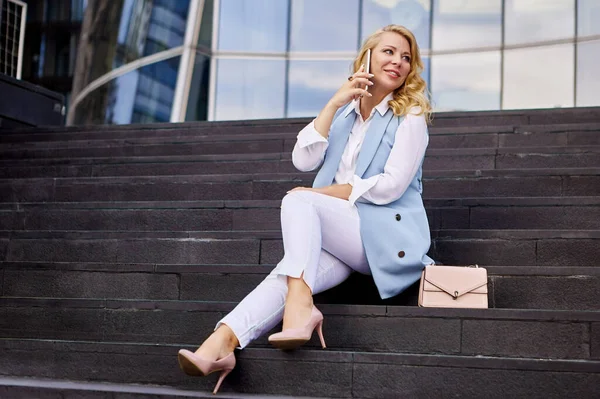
588 16
319 25
413 14
250 89
478 54
312 83
197 105
141 96
253 25
462 24
530 21
466 82
539 77
588 79
128 30
206 26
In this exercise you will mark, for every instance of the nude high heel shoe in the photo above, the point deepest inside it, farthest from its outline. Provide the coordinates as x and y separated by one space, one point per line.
292 338
192 364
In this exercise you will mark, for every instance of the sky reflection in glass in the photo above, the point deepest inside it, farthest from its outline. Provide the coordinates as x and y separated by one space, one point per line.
539 77
250 89
253 25
413 14
463 24
466 82
312 83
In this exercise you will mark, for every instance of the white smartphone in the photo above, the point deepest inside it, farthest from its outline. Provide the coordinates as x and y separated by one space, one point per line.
368 65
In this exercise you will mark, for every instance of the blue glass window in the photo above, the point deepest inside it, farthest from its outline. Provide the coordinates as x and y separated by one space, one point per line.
588 15
312 83
319 25
250 89
466 82
530 21
413 14
466 24
144 95
253 25
588 84
541 77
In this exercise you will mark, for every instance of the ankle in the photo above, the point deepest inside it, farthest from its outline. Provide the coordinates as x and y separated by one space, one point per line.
227 338
304 301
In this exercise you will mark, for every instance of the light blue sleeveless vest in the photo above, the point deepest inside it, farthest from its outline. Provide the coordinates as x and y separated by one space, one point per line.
395 236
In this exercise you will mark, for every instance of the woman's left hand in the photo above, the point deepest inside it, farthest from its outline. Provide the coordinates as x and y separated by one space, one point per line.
317 190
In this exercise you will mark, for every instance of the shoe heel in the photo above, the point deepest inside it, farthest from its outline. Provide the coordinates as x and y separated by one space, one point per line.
320 332
224 373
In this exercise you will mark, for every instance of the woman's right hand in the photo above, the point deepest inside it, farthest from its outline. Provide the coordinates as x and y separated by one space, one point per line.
353 88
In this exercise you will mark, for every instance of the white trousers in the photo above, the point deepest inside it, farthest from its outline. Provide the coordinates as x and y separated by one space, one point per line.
321 237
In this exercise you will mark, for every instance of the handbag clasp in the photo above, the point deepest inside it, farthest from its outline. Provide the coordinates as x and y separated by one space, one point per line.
455 296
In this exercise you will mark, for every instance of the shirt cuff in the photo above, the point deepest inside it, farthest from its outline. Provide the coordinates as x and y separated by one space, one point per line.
309 136
361 186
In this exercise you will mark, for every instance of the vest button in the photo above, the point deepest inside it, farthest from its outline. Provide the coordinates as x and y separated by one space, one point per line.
398 217
401 254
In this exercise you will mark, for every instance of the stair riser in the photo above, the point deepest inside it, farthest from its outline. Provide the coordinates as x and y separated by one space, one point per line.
50 191
287 374
512 292
454 336
432 163
506 217
474 137
433 160
224 147
482 251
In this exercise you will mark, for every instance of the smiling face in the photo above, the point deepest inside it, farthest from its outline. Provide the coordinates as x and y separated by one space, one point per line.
390 61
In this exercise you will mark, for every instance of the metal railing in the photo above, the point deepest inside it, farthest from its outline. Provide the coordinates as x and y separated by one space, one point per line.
12 36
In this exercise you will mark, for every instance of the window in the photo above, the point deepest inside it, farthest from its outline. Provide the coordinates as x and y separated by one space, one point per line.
462 24
466 82
530 21
253 25
319 25
250 89
312 83
540 77
413 14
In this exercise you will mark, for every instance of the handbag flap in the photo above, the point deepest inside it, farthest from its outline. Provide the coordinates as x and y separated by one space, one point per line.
455 280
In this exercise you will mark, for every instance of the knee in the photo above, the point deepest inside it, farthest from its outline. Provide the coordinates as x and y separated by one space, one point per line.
296 196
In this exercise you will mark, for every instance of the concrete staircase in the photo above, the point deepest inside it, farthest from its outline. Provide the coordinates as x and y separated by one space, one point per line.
119 245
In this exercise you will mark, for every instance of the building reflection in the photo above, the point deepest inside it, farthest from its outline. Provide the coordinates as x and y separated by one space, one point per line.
247 59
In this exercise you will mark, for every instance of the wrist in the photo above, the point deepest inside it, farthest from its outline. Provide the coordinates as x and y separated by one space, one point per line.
330 106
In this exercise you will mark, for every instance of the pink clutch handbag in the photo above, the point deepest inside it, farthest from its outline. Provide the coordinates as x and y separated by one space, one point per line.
453 287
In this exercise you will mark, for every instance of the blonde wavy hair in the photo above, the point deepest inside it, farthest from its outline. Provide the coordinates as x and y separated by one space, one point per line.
412 93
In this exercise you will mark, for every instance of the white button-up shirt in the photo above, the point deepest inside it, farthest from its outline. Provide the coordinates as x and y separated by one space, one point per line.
400 169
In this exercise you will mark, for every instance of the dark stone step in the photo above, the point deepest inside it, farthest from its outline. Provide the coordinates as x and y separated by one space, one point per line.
11 387
309 372
460 247
470 137
261 143
455 159
485 332
265 215
547 117
499 183
520 287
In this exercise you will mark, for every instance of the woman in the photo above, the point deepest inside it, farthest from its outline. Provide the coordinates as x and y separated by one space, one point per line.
364 212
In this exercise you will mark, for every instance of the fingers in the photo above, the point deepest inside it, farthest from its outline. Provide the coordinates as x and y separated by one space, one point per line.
300 189
362 82
361 93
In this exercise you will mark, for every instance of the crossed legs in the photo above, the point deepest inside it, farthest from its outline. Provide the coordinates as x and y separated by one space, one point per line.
322 245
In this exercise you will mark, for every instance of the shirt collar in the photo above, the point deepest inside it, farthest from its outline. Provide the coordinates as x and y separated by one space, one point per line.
382 107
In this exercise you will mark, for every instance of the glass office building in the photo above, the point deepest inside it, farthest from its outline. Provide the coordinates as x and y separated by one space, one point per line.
184 60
